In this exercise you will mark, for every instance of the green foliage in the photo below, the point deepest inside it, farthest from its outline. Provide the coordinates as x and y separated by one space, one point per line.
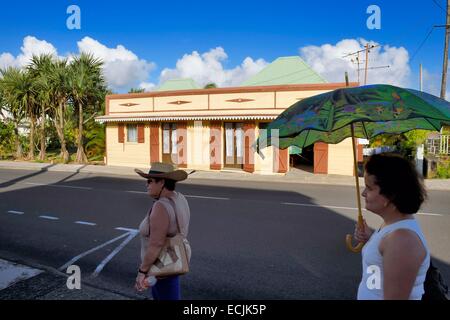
6 140
406 143
96 141
210 85
443 169
55 90
136 90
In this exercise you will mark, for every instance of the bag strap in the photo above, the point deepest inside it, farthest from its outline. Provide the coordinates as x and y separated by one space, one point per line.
173 206
175 213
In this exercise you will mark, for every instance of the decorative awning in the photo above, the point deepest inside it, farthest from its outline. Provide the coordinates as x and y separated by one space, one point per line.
105 119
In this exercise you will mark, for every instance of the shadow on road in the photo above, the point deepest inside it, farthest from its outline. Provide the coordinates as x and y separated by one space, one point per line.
14 181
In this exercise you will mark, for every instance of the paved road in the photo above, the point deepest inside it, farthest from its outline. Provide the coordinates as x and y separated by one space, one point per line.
250 240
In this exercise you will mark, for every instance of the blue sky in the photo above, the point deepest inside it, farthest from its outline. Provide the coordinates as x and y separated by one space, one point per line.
160 33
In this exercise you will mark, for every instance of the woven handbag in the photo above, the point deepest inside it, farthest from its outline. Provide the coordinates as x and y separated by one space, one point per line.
174 256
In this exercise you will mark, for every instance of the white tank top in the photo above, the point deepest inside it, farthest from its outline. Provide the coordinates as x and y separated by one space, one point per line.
372 263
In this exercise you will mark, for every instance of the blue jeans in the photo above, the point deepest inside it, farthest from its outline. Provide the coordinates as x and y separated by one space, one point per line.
167 289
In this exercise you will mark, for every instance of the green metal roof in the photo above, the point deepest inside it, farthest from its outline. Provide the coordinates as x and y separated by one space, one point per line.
178 84
285 70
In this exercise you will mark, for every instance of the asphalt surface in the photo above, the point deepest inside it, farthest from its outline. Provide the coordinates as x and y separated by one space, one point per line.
250 240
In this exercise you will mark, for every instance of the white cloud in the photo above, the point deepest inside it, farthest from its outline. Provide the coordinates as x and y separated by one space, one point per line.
122 68
7 60
432 83
328 61
31 46
147 86
207 67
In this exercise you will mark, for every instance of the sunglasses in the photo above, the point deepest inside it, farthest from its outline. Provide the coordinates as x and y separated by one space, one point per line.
149 181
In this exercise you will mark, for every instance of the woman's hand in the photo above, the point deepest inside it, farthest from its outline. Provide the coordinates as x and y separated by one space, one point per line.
141 282
362 234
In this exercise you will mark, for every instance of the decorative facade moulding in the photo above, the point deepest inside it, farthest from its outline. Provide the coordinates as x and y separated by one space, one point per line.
128 104
178 102
240 100
194 118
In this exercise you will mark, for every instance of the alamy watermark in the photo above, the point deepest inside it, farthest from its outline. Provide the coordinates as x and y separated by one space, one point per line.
374 280
374 20
74 20
74 281
218 146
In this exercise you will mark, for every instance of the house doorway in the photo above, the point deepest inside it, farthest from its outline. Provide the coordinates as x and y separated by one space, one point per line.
169 143
234 145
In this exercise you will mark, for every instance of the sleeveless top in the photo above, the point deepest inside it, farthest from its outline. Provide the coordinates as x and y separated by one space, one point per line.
178 206
372 263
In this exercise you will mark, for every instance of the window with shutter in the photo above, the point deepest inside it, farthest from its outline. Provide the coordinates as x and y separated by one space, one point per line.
132 133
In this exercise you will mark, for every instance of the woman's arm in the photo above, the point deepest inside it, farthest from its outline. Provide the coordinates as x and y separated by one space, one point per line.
403 253
159 226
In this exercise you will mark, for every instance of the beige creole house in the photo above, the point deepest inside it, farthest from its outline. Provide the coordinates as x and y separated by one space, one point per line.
214 129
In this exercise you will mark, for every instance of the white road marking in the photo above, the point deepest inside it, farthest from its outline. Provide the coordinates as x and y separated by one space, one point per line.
316 205
49 217
57 186
85 223
112 254
429 214
187 196
127 229
348 208
16 212
202 197
73 260
11 273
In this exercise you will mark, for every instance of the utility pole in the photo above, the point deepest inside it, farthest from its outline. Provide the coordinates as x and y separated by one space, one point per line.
367 48
367 62
444 69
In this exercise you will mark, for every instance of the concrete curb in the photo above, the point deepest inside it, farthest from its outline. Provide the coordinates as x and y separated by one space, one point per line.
290 177
51 284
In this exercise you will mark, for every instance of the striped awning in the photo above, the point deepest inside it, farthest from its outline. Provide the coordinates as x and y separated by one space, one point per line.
105 119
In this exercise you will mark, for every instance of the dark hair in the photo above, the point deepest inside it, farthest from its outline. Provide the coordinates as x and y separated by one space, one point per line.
169 184
398 181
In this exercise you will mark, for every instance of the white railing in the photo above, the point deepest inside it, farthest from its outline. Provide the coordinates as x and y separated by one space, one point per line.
444 147
439 145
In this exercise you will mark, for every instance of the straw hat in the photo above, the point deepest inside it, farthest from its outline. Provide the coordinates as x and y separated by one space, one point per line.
163 170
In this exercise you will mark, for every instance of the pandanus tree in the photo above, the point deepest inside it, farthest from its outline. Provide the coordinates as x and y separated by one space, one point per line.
87 88
59 89
39 70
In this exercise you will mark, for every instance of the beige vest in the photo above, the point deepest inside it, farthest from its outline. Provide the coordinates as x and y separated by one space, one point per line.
182 212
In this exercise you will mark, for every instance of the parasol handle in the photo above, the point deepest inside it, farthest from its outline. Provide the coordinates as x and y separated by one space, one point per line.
349 238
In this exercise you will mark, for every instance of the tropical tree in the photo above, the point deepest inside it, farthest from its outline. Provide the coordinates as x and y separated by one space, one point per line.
87 88
136 90
210 85
59 89
8 103
39 70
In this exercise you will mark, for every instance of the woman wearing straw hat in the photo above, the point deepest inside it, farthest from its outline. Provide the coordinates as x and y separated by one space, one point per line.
159 223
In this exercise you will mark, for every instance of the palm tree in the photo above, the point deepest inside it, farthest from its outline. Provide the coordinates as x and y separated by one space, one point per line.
39 70
8 102
87 89
58 85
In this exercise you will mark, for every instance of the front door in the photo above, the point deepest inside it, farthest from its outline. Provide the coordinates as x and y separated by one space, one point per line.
169 143
234 145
